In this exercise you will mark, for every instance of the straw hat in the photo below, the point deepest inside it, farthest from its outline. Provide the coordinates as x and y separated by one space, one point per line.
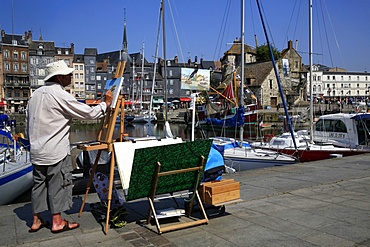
57 68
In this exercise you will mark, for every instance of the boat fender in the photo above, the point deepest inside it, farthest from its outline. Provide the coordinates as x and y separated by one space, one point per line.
268 137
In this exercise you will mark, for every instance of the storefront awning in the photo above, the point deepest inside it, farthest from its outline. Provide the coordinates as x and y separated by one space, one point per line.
185 99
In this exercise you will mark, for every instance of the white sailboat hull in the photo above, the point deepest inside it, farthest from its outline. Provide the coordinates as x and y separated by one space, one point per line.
15 179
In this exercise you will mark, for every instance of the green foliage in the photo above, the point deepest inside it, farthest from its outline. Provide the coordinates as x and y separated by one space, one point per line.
263 53
116 214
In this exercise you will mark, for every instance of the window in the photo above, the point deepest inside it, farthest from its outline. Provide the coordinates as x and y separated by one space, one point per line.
15 67
98 78
358 85
342 78
67 52
7 66
92 78
319 78
314 88
331 126
333 77
25 94
171 82
76 76
15 55
328 78
92 70
99 86
6 54
81 76
170 72
14 42
24 67
91 61
76 67
59 52
23 55
349 78
296 64
314 77
81 67
270 84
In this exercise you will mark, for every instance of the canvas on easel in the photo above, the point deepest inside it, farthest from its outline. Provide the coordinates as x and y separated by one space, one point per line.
115 86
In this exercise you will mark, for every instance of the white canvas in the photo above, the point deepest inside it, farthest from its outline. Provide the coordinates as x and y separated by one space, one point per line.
125 151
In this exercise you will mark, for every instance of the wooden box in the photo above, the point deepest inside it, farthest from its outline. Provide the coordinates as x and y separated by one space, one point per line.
217 192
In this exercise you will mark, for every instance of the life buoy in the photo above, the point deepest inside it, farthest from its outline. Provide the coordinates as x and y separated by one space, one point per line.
268 137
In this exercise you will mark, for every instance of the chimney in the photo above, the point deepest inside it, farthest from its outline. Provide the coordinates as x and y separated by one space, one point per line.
2 33
290 44
296 44
72 48
176 59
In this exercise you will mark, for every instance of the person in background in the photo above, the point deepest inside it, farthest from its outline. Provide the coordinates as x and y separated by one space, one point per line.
50 111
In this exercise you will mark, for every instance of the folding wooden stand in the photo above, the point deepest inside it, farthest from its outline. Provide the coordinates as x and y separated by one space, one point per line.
177 226
173 170
105 142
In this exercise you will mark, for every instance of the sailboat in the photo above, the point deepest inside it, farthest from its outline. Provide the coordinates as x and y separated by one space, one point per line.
15 166
240 155
301 144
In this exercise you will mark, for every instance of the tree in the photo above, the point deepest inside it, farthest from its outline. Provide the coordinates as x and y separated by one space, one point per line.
263 53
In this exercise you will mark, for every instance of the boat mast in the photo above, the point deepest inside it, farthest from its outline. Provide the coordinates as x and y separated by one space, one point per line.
133 83
311 85
289 122
154 71
142 78
165 63
241 97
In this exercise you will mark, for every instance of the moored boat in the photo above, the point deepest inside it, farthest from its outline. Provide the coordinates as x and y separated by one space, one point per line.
15 168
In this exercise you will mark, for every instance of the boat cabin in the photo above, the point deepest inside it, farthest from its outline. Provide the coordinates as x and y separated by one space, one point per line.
343 130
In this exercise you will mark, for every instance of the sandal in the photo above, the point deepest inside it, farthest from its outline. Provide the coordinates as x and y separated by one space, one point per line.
66 227
42 225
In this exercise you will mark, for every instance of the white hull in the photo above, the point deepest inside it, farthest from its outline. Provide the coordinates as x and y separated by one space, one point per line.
246 158
16 179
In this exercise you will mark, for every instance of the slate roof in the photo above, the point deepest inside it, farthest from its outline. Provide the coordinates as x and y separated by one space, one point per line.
257 72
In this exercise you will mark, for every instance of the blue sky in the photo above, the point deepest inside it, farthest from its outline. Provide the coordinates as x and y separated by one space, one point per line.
341 25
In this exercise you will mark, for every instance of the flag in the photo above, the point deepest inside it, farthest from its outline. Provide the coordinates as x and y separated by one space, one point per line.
228 92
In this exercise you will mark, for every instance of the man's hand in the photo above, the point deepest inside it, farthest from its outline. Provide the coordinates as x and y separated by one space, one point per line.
108 97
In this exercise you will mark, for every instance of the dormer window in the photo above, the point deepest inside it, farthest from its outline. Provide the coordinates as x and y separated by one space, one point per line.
14 42
41 46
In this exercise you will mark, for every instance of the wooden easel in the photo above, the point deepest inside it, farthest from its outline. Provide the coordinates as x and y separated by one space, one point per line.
105 142
152 210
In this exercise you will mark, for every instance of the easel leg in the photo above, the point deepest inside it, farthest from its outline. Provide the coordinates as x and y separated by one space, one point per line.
90 181
110 191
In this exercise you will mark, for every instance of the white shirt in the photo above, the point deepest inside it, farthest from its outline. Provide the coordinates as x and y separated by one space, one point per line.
50 111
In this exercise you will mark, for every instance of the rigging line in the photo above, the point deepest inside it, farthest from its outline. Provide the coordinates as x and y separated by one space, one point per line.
326 35
177 35
290 22
268 26
223 27
252 17
320 36
335 37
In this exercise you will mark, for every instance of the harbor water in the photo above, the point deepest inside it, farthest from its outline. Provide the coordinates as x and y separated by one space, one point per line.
89 132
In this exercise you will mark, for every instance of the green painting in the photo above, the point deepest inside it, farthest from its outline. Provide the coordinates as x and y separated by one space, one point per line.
171 157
